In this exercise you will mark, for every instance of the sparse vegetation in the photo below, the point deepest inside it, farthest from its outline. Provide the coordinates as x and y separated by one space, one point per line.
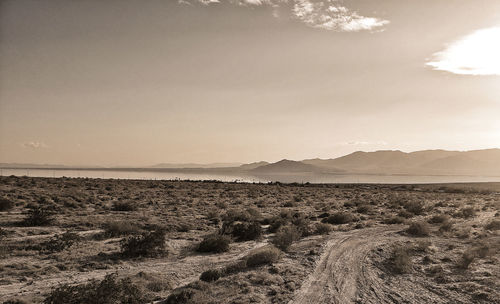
6 204
215 243
148 244
86 237
108 291
418 229
262 256
285 237
39 216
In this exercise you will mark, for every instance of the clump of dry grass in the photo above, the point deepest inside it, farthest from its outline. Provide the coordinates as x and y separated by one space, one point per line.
285 237
148 244
108 291
262 256
400 260
6 204
215 243
340 218
419 229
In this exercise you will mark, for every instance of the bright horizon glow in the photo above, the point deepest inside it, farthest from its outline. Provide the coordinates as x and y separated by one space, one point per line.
475 54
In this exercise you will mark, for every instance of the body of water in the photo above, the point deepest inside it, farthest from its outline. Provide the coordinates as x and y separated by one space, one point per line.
300 178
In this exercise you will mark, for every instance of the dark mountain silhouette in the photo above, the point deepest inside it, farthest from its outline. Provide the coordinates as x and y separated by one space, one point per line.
477 162
286 166
252 166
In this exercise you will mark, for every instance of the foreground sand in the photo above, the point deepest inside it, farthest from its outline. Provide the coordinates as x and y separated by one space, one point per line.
349 261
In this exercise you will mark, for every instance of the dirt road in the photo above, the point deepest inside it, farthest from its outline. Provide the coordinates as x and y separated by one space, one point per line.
346 274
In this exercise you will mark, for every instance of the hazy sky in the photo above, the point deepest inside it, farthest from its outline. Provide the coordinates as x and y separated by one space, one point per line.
143 82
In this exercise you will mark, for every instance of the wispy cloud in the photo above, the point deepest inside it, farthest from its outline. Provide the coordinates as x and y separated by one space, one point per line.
329 15
34 145
474 54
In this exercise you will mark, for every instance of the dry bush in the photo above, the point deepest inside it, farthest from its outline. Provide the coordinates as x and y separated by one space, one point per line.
466 259
394 220
212 275
262 256
125 206
493 225
364 209
400 260
418 229
439 218
339 218
60 242
148 244
6 204
194 293
216 243
244 231
322 228
446 226
116 229
467 212
414 207
285 237
38 216
108 291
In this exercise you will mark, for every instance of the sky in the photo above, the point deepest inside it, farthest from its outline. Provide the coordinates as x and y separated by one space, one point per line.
136 83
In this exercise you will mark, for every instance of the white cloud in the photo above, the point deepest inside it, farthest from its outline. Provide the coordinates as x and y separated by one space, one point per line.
34 145
330 15
474 54
323 14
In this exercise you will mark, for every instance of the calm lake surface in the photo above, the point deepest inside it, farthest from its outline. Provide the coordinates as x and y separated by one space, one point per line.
301 178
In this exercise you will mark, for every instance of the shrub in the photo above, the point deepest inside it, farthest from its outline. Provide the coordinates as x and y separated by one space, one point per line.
394 220
60 242
339 218
6 204
322 228
363 209
194 293
216 243
467 258
416 208
467 212
15 301
211 275
446 226
115 229
108 291
146 244
245 231
285 237
401 260
418 229
38 216
439 218
125 206
493 225
262 256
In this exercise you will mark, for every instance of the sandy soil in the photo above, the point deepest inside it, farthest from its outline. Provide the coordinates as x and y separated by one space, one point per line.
353 263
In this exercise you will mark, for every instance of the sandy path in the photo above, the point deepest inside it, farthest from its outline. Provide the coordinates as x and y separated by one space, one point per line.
345 274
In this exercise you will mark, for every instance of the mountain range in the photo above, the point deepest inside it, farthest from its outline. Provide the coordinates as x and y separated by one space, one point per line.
428 162
387 162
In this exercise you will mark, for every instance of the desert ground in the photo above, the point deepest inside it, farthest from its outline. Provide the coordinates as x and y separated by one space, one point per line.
76 240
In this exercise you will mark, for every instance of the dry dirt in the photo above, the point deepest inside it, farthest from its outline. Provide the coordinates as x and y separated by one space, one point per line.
353 263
